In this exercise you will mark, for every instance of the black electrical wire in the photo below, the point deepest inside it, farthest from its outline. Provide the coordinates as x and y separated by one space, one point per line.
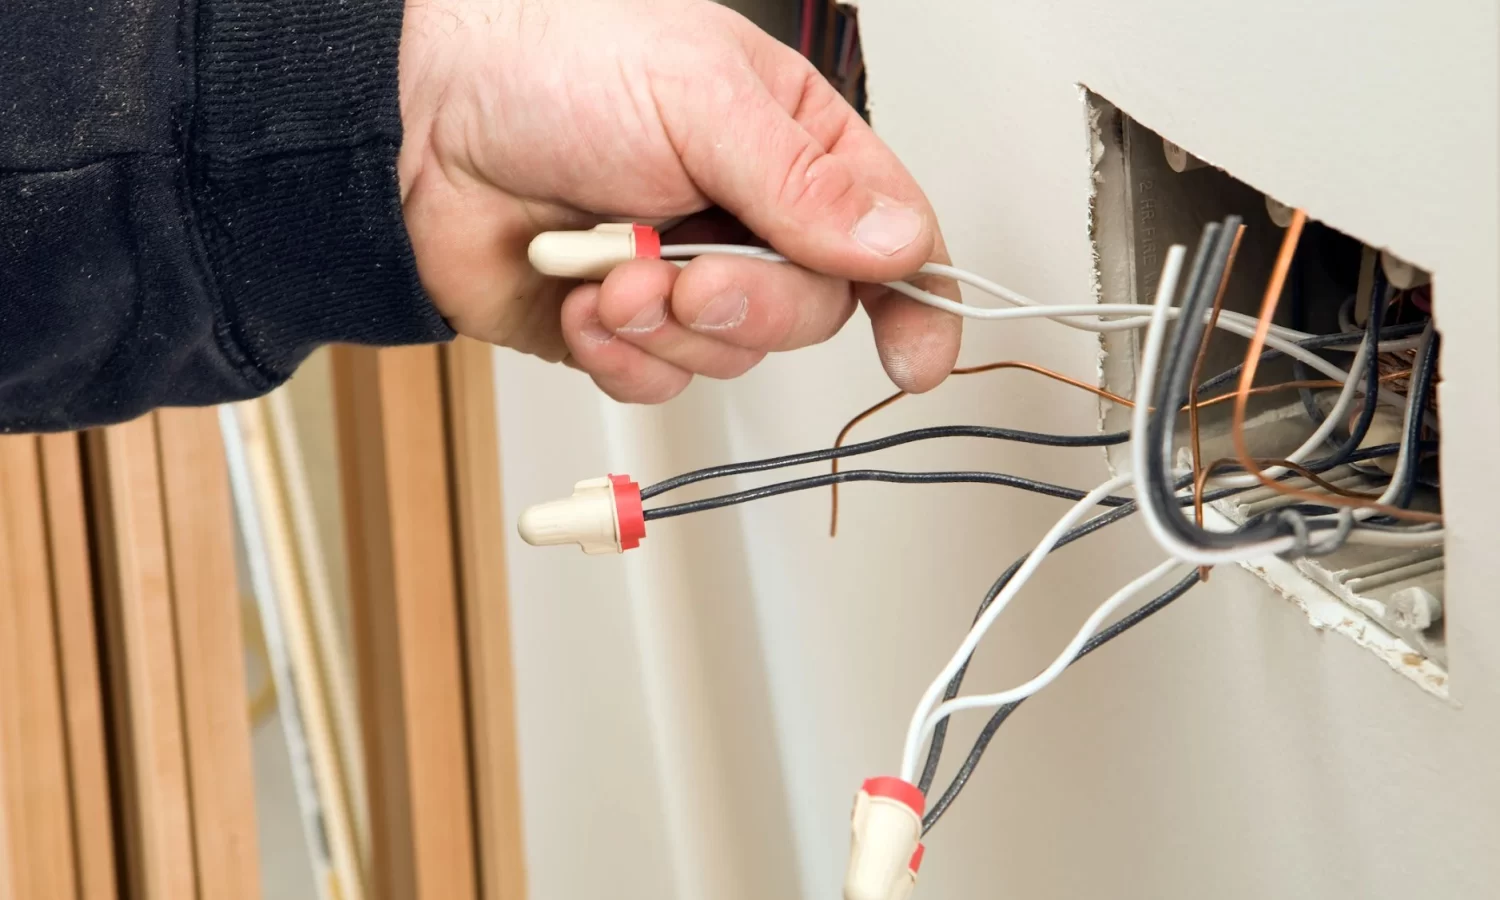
940 731
1419 389
982 743
820 481
939 734
1001 479
893 440
1318 342
1209 263
1207 271
980 431
1373 323
1295 517
1173 383
1373 335
1206 276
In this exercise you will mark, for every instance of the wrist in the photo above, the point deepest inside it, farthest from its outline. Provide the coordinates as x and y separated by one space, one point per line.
413 65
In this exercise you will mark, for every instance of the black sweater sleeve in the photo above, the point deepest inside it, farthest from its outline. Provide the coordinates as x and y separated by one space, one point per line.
194 194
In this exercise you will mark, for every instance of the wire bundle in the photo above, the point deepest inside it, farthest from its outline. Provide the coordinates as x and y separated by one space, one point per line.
1171 361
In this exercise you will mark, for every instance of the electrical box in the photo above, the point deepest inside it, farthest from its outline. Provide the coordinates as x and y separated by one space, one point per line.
1151 193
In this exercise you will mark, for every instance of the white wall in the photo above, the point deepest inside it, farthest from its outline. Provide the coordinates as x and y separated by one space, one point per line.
696 716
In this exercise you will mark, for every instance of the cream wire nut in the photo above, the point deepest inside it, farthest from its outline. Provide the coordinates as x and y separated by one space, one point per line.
591 255
885 849
604 515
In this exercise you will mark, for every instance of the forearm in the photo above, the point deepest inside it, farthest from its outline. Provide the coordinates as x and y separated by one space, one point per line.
189 207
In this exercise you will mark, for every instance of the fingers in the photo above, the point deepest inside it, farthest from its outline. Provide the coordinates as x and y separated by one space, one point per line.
635 304
620 369
650 326
807 173
761 306
827 193
719 315
918 345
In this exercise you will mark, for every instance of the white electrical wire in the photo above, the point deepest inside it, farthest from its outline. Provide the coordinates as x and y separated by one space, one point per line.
1094 315
1060 663
1398 480
1140 450
978 282
928 712
1346 315
929 699
1141 414
1415 537
1137 318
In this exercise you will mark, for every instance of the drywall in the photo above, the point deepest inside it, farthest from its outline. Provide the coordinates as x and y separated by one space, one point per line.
697 715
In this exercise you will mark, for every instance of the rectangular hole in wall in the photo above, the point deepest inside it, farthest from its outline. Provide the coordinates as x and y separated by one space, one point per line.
1150 194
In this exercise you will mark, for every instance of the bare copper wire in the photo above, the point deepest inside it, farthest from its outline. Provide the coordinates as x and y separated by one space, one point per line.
1247 380
1200 480
1193 405
833 520
1406 359
1400 364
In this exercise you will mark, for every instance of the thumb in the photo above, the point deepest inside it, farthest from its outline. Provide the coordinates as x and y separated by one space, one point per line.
783 152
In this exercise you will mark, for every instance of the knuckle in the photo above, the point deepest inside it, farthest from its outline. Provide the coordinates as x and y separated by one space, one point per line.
813 183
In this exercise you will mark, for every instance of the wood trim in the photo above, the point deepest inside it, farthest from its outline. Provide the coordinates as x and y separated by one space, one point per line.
404 600
334 657
479 528
141 656
35 795
205 590
309 674
78 648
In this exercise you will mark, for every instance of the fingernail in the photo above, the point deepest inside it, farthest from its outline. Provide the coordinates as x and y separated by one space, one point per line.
647 320
724 311
888 229
595 331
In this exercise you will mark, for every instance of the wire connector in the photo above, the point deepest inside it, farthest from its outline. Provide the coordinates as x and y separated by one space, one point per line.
604 515
885 850
591 255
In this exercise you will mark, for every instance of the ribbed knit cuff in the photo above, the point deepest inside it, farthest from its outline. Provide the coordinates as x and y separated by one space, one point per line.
292 164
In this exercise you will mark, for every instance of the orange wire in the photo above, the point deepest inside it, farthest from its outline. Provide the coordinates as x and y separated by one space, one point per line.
1200 481
833 523
1247 379
833 519
1208 332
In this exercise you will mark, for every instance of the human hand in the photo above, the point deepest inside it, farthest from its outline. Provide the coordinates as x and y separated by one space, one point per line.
524 116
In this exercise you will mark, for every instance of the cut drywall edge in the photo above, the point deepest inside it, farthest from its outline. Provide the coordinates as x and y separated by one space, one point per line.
1093 115
1111 279
1326 613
